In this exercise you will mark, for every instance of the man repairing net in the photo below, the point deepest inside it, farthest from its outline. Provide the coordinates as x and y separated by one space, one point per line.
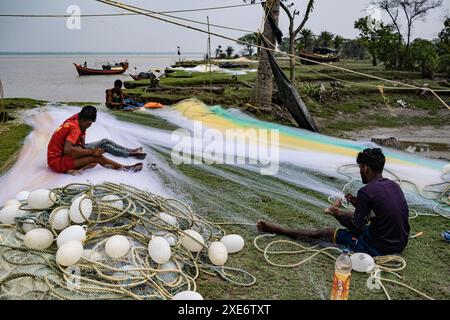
379 225
68 153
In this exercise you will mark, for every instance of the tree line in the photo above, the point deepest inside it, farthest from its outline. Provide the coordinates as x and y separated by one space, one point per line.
385 43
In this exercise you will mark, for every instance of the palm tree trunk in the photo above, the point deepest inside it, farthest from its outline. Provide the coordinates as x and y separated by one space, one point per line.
262 94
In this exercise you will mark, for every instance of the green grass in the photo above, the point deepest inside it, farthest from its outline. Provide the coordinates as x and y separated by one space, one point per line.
22 103
179 78
11 140
79 103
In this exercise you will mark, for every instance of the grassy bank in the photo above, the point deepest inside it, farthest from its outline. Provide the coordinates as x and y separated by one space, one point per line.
350 103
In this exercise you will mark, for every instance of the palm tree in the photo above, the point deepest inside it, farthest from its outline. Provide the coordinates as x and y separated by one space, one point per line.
338 41
325 38
229 50
306 38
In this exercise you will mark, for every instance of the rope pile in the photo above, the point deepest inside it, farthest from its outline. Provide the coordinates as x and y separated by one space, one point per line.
97 276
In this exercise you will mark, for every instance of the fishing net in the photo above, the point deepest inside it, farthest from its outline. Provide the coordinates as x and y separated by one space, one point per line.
138 215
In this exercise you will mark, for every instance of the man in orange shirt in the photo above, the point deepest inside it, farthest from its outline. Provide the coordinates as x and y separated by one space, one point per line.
67 151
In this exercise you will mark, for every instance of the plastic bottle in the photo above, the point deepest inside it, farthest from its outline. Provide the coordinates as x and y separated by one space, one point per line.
341 279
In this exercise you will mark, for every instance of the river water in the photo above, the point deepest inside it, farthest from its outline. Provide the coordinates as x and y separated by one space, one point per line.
53 77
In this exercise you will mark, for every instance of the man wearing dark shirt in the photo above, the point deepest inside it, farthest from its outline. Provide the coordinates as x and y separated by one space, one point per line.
379 225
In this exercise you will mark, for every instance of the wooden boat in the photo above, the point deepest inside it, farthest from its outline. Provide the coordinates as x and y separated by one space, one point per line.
319 57
117 68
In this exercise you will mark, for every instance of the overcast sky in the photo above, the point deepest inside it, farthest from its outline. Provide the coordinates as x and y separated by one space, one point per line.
144 34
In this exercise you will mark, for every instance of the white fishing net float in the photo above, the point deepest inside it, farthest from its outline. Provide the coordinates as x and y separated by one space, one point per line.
233 242
167 218
85 205
187 295
217 253
159 250
39 239
72 233
28 225
187 240
41 199
362 262
12 202
22 195
117 246
69 253
9 213
59 218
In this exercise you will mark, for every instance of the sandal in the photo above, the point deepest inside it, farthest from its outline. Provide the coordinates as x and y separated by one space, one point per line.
446 235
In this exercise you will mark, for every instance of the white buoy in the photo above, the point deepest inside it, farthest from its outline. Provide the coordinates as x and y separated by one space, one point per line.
28 225
39 239
117 246
362 262
167 218
41 199
59 218
168 277
86 208
217 253
69 253
187 295
159 250
113 201
187 240
233 242
9 213
72 233
12 202
22 195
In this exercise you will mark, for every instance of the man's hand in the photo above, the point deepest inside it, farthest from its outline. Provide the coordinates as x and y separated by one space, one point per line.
334 209
97 152
351 199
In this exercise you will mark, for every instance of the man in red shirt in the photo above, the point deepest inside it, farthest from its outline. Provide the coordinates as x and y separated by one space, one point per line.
67 153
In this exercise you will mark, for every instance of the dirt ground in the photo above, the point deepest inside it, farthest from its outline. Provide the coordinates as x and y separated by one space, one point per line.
428 141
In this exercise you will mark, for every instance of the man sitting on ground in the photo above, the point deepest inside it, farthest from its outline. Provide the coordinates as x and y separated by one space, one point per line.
379 225
68 153
115 97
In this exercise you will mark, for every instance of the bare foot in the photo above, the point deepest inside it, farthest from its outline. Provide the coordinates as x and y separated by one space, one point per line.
265 226
137 150
134 168
73 172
